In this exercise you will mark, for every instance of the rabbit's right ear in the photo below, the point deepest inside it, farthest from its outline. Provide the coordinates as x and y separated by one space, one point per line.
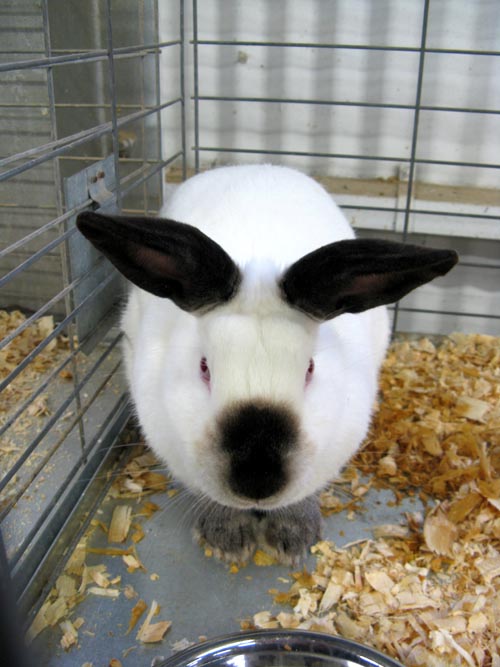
166 258
354 275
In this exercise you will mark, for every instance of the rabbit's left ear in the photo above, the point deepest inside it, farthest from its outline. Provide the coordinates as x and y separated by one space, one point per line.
169 259
357 274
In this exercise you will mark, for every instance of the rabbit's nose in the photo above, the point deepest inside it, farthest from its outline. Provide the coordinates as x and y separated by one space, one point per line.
256 481
258 439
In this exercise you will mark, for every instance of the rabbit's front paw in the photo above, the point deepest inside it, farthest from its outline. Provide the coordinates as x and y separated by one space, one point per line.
227 531
289 531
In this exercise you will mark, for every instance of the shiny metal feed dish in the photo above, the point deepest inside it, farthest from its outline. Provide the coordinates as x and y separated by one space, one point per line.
269 648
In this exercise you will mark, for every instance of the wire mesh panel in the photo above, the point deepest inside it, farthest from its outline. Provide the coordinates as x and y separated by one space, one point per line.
81 113
394 108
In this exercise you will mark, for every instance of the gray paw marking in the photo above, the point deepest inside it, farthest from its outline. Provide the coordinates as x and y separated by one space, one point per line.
286 533
229 532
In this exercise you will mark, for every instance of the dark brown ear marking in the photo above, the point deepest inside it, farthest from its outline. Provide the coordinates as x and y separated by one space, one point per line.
357 274
167 258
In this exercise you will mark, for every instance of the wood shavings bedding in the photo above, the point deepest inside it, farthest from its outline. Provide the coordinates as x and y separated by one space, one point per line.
29 422
388 593
18 349
427 593
80 579
439 416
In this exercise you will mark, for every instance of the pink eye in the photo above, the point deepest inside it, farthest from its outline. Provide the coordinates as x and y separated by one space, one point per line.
310 371
204 370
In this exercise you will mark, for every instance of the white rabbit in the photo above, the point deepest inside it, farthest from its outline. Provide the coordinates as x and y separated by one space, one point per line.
253 339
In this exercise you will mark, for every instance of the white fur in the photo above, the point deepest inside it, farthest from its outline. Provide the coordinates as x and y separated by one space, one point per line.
265 217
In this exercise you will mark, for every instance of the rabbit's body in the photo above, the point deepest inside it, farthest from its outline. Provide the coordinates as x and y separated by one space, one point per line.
265 218
253 339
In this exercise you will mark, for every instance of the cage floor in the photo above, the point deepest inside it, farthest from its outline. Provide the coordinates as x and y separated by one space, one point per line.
199 595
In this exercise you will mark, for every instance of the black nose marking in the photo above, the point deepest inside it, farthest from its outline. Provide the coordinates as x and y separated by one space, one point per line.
258 438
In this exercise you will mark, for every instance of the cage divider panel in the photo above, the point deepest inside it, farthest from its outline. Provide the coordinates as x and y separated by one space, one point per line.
97 183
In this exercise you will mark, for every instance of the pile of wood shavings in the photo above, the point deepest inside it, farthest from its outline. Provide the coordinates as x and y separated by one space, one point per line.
19 348
426 593
26 341
438 423
22 386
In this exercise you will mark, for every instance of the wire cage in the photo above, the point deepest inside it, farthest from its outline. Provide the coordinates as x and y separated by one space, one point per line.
81 104
394 107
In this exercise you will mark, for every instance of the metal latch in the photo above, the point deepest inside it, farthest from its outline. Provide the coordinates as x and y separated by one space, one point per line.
98 191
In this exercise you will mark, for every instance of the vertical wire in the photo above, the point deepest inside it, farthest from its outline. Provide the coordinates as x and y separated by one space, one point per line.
112 93
159 138
69 304
196 89
142 32
414 139
183 88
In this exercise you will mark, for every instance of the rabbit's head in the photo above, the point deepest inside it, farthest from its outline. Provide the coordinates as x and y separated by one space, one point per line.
252 364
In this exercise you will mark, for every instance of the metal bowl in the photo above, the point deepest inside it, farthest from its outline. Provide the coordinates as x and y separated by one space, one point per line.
286 648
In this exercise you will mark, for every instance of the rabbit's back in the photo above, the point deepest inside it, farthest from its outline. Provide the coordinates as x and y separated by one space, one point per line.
259 211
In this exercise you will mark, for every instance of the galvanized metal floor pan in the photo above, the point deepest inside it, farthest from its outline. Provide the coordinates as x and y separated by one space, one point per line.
198 594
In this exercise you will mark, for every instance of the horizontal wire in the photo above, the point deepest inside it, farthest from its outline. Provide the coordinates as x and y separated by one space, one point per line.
67 105
352 47
449 313
477 265
341 103
344 156
85 56
417 211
